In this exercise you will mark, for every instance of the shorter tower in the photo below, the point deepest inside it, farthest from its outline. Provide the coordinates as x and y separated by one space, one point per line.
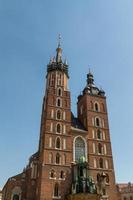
92 113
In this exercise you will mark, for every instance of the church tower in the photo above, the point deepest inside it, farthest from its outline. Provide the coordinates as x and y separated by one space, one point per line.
92 113
55 148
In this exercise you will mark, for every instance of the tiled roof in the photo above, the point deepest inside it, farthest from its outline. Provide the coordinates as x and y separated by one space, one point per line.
125 187
76 123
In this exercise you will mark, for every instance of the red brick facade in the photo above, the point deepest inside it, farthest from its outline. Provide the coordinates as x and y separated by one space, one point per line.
64 139
125 191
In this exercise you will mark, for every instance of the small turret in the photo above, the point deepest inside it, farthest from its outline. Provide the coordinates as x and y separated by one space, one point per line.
51 60
91 88
65 62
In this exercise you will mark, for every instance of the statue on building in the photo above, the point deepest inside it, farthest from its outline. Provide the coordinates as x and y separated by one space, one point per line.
82 181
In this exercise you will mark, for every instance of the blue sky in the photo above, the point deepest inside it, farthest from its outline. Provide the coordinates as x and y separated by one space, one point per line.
96 34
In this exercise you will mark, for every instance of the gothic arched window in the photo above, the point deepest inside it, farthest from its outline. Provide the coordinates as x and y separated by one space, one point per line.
59 79
58 128
59 102
96 107
100 148
99 134
15 197
56 190
58 114
79 148
97 121
57 158
52 174
58 143
101 163
59 92
62 174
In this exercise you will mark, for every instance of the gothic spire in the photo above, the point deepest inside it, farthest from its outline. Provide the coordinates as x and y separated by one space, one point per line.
56 63
59 51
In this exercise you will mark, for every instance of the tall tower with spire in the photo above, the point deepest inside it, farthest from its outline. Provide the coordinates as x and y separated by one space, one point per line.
55 147
74 160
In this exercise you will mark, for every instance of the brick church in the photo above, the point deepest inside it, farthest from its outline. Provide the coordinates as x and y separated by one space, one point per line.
74 159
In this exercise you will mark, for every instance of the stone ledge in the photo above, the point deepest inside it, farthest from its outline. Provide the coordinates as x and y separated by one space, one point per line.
83 196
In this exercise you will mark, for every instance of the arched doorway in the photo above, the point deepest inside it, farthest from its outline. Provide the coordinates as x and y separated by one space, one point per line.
16 193
15 197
